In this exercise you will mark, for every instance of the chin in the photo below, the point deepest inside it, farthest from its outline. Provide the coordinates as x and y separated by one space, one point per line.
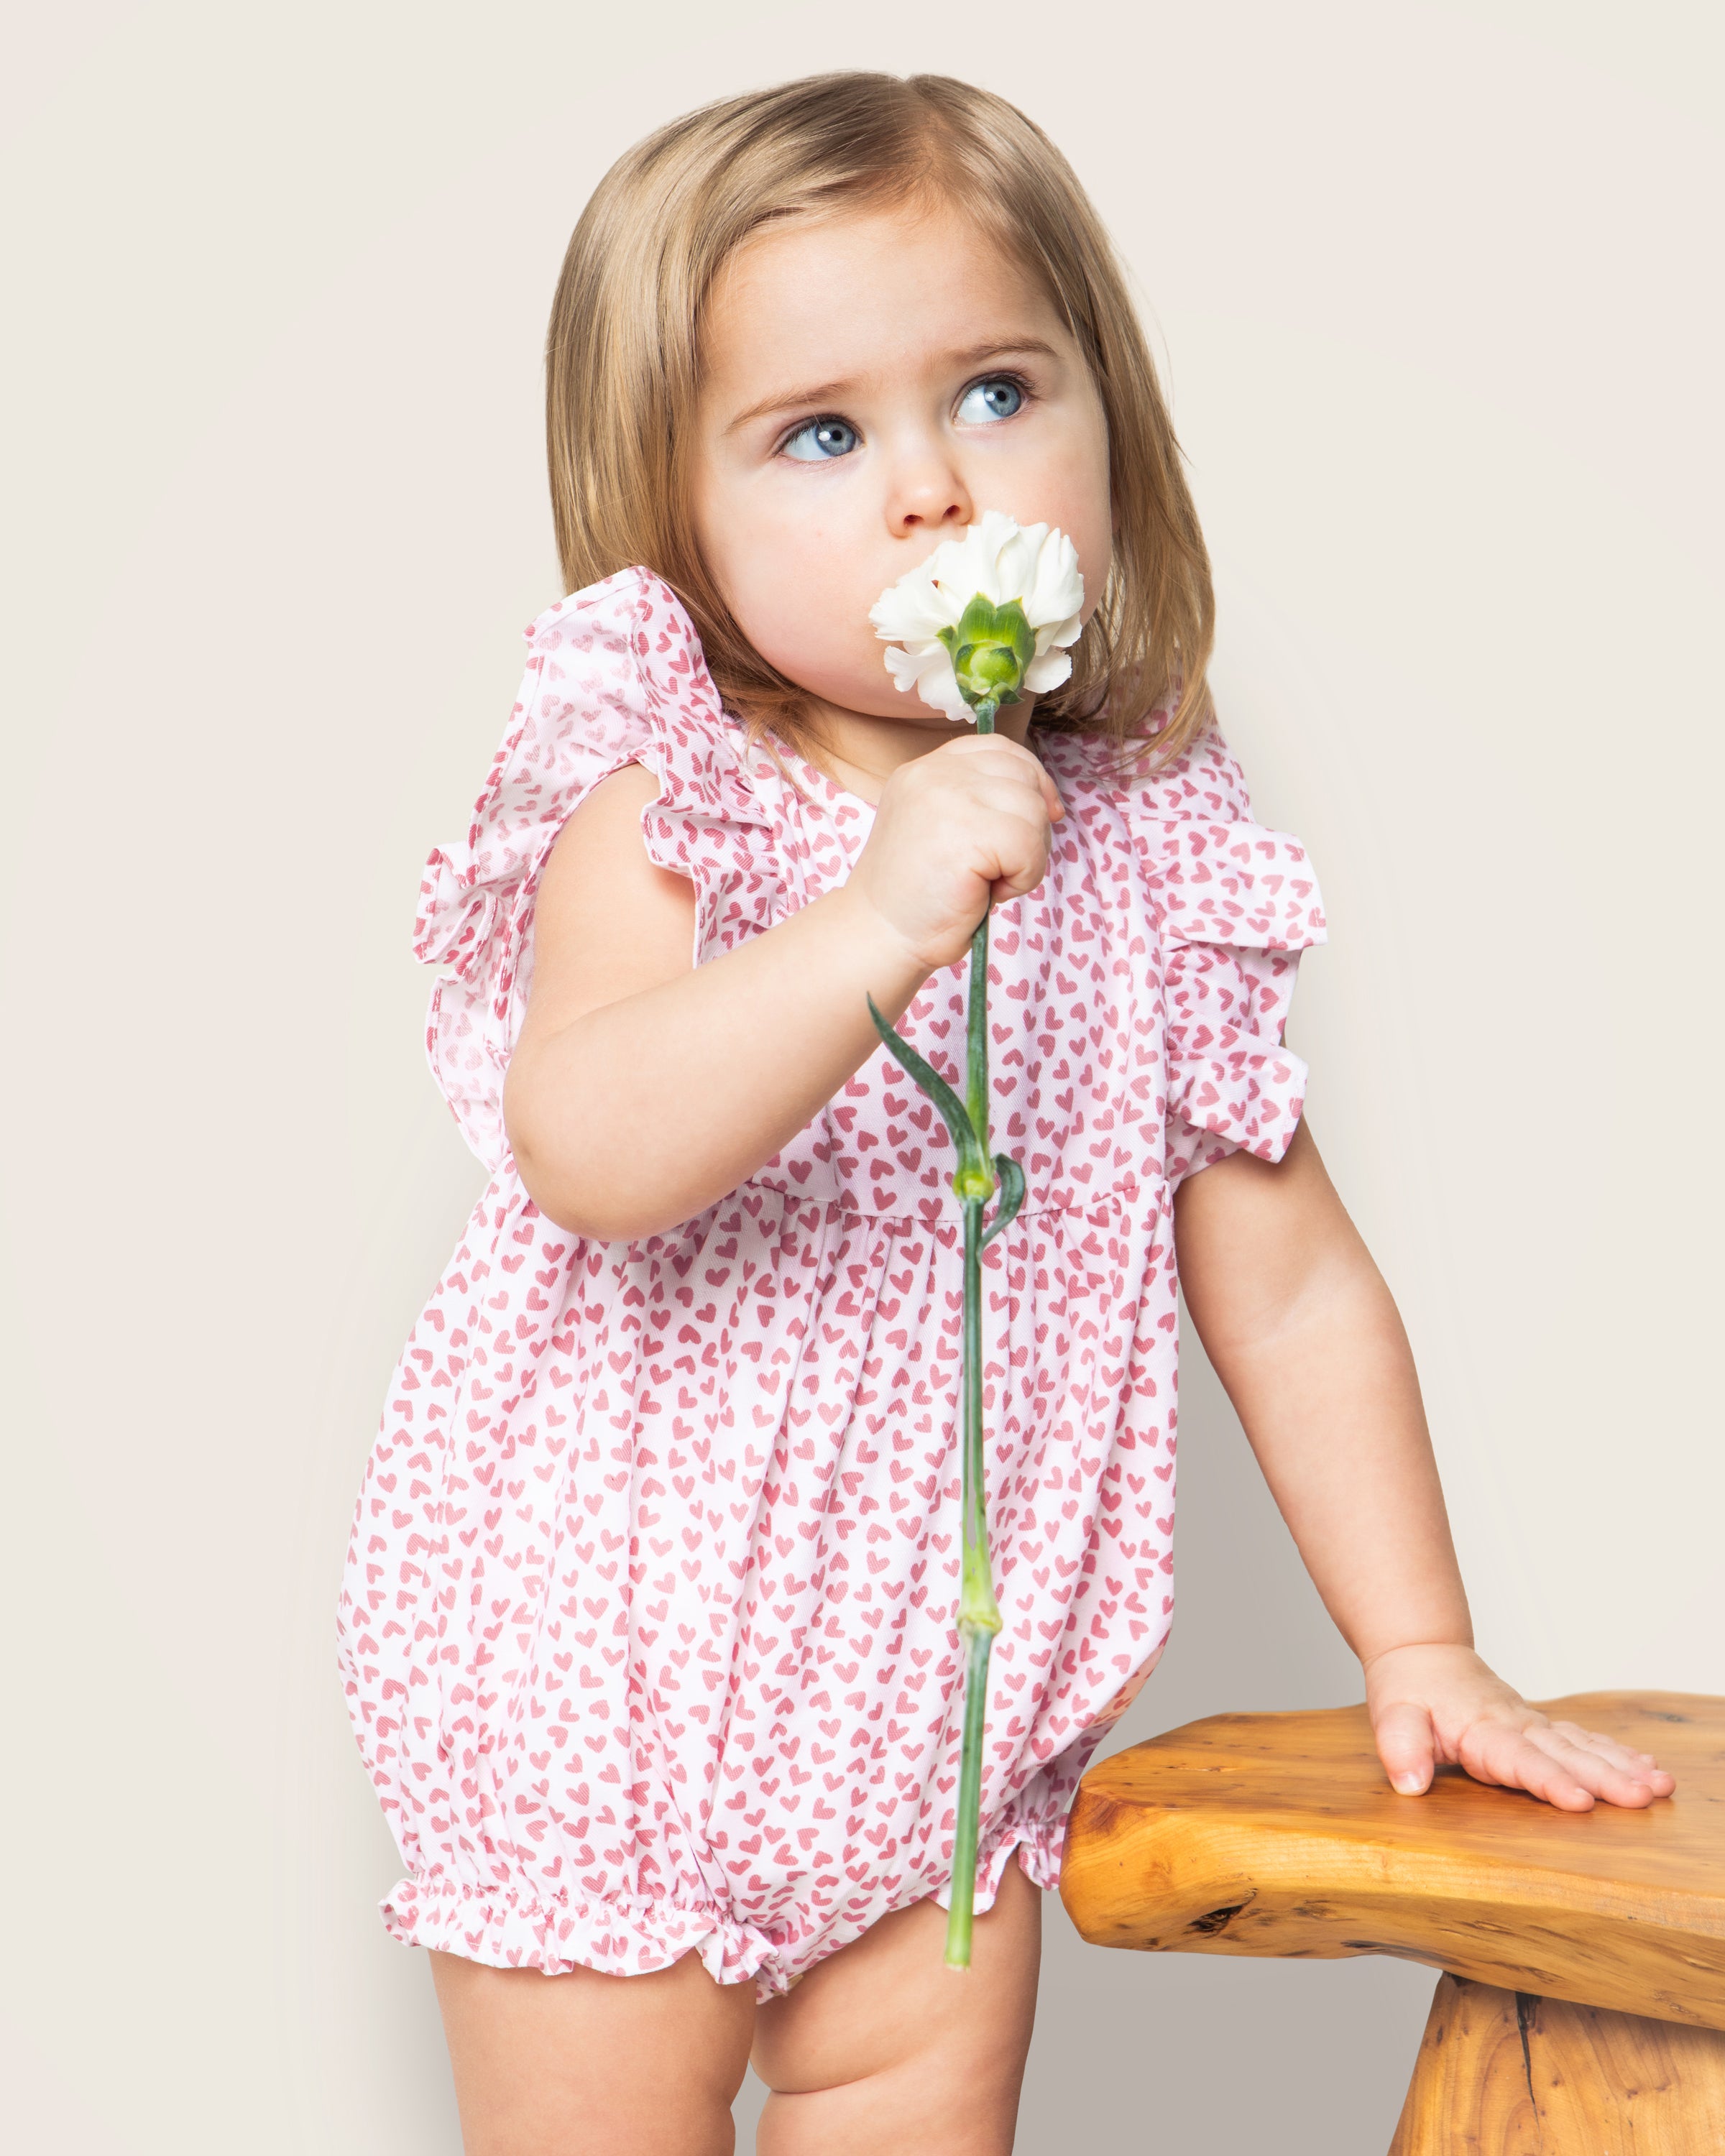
863 698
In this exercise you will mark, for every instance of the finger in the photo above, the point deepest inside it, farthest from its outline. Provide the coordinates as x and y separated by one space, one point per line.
978 804
1640 1766
1001 746
1012 864
1020 882
1603 1777
1609 1748
1009 795
1010 832
1008 825
1498 1752
1406 1747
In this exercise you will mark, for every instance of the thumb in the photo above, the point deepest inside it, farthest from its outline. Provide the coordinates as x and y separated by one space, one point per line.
1405 1745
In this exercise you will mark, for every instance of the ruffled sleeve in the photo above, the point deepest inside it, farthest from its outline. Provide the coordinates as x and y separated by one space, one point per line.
614 676
1237 905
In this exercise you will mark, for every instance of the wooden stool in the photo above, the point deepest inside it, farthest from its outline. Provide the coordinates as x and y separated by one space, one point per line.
1585 1951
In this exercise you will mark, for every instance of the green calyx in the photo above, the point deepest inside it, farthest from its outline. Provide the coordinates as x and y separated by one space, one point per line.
991 648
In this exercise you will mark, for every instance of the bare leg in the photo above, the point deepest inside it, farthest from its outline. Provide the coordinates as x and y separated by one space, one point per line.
883 2050
587 2064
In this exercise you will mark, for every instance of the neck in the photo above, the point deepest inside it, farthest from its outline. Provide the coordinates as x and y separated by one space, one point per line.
861 753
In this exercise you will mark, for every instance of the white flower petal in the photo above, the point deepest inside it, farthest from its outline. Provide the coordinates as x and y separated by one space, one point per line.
1001 560
1016 565
1057 590
964 567
904 666
928 671
1059 633
914 609
937 685
1047 673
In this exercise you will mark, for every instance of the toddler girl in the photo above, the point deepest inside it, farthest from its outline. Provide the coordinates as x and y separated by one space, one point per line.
648 1626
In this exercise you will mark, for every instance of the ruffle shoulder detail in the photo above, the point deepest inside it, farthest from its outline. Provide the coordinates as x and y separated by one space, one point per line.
1237 905
614 675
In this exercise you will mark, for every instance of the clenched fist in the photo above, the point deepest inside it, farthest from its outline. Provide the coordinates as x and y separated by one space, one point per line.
967 824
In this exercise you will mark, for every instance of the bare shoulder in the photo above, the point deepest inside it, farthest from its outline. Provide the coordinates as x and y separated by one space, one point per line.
607 922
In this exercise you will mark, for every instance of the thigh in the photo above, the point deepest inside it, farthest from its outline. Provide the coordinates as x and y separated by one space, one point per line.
588 2065
882 2047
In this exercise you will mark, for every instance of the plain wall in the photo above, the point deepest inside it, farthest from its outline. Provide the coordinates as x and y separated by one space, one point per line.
1436 288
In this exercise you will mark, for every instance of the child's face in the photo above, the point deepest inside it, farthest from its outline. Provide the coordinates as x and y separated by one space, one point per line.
870 385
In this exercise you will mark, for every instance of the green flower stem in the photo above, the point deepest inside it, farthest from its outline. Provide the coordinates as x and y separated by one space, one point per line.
976 1016
977 1178
978 1612
976 1031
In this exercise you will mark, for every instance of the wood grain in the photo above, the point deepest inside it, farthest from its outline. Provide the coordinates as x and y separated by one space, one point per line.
1501 2073
1278 1834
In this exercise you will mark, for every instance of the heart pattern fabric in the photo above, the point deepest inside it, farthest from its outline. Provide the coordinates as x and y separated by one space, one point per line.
647 1626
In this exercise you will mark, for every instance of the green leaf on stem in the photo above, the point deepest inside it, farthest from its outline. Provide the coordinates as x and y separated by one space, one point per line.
1012 1195
953 1112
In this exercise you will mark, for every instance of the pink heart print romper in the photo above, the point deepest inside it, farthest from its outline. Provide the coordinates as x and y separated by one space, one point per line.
648 1622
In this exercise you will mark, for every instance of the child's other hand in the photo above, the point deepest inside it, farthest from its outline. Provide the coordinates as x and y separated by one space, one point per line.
1442 1705
967 823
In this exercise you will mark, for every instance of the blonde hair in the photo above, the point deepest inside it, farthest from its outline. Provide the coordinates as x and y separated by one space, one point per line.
622 364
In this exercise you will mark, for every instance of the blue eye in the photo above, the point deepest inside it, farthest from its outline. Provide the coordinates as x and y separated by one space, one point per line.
820 438
997 398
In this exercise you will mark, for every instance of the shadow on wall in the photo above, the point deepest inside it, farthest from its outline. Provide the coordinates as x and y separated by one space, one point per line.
1196 2055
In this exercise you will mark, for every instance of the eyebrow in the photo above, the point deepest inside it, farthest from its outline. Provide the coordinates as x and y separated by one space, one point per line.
827 393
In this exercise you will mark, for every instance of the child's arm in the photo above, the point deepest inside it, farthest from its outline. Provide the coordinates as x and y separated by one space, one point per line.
1303 1334
643 1087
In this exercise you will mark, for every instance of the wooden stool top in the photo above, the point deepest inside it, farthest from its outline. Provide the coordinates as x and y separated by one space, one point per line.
1279 1834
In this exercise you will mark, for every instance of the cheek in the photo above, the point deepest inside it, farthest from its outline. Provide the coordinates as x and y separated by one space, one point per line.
793 582
1092 531
1092 511
829 650
784 625
1085 516
780 587
1064 481
1095 543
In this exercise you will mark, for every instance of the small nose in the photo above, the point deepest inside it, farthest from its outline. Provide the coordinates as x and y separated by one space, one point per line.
928 493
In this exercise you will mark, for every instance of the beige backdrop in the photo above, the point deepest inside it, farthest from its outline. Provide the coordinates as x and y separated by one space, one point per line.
1436 289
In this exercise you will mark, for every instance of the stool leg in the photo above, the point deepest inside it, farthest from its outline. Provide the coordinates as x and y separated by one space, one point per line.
1506 2073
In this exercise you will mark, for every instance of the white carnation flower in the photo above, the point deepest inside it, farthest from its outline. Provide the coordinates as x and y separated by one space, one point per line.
998 561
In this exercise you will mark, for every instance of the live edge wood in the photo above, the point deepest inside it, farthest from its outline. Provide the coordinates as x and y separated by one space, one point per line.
1278 1834
1501 2073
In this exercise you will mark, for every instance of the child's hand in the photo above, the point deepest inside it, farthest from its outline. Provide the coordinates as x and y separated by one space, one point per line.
966 824
1442 1704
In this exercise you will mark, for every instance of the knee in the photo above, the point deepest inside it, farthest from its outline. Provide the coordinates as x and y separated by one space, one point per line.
943 2097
